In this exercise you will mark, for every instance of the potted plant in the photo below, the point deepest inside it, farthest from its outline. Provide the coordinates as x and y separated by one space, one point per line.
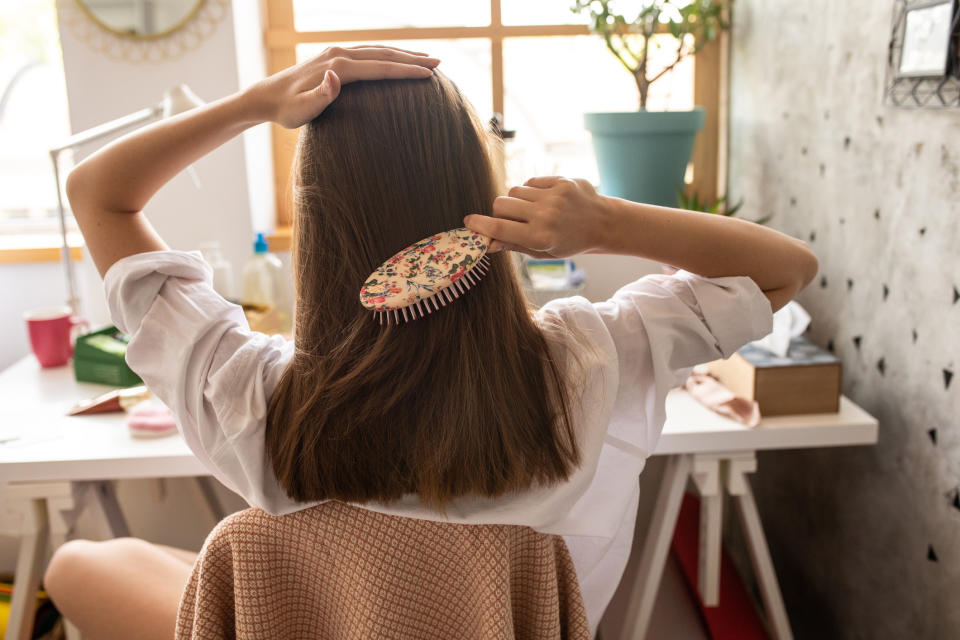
643 155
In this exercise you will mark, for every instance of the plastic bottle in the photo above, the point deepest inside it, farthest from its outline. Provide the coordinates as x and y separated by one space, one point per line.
222 269
264 282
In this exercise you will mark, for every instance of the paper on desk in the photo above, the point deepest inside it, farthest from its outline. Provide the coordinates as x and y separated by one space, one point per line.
789 322
20 429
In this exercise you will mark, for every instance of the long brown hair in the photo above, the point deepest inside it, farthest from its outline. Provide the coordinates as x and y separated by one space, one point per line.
465 402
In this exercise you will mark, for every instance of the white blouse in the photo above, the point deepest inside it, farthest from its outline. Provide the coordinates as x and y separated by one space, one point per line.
196 352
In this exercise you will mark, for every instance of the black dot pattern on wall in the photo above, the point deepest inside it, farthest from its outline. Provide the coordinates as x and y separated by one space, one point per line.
793 202
956 500
876 213
856 341
923 230
803 150
813 236
823 282
914 336
933 435
823 169
882 366
947 377
846 142
849 284
956 295
843 220
931 554
886 291
830 346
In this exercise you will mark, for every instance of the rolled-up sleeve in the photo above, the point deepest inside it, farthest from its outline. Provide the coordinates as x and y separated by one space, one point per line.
196 353
681 320
664 325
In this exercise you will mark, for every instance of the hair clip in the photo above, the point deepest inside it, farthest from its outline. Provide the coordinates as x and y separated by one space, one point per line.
426 275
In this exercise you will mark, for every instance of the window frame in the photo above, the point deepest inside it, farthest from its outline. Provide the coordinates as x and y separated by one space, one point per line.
281 39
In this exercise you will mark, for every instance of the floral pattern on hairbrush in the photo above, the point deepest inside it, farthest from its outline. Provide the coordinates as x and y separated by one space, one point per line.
423 269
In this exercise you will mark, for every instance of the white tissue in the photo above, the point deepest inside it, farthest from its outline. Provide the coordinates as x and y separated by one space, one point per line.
789 322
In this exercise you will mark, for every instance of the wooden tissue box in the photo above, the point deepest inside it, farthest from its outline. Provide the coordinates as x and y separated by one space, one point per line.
807 380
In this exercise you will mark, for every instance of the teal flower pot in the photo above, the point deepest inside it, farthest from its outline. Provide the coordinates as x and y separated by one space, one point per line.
643 155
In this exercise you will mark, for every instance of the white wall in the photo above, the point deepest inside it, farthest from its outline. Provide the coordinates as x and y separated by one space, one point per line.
25 286
100 89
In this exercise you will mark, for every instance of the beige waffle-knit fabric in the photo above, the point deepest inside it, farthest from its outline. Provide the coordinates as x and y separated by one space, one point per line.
338 572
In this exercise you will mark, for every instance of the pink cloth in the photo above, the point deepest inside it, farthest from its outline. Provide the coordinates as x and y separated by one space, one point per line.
713 395
150 420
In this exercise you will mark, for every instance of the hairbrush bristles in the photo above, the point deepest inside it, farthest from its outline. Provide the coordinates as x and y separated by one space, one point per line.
426 276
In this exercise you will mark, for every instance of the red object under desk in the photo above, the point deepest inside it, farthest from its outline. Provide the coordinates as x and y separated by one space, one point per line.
734 618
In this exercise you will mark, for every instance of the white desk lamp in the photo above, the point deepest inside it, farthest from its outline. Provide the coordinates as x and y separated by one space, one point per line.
176 100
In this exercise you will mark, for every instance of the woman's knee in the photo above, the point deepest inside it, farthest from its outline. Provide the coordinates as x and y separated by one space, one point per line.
74 561
67 562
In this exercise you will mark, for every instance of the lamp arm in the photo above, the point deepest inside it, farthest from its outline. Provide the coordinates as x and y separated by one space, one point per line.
101 130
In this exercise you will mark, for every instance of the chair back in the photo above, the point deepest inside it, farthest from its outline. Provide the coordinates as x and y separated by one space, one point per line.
340 572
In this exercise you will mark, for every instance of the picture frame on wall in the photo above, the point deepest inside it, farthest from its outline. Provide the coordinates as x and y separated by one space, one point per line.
923 57
928 39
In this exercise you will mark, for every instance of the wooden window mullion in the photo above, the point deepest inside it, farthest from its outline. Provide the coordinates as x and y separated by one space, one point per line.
279 57
496 56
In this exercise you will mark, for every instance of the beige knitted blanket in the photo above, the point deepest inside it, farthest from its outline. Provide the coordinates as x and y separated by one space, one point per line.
340 572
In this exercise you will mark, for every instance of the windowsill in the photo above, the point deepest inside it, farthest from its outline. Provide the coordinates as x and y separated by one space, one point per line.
19 248
281 239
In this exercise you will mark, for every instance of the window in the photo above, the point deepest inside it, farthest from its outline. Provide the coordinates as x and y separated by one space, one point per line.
534 61
33 118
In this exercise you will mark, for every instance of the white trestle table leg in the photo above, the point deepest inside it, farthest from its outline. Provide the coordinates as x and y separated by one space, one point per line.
30 500
208 497
643 592
706 475
739 487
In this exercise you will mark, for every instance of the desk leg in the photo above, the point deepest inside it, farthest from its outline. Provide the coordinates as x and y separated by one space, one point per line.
739 487
33 547
643 592
31 501
208 495
706 475
62 512
106 497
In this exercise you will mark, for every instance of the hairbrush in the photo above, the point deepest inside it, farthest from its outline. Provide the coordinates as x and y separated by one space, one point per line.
425 276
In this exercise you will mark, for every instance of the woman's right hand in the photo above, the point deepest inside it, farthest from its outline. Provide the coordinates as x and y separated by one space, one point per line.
548 217
300 93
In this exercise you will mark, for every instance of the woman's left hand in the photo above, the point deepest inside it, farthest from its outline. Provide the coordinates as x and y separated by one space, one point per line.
300 93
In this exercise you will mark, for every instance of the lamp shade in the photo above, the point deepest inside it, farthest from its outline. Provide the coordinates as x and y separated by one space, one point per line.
179 99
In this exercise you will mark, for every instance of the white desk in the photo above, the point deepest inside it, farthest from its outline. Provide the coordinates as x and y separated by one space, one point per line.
41 472
59 462
717 453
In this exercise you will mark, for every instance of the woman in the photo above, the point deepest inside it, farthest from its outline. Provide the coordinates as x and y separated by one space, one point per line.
480 413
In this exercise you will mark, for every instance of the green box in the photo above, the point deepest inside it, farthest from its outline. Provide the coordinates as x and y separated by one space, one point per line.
100 366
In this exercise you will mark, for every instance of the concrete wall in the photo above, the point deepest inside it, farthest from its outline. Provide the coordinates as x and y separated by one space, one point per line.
865 540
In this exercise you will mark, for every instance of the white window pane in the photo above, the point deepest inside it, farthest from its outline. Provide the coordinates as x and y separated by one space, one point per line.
517 12
33 114
545 103
466 61
335 15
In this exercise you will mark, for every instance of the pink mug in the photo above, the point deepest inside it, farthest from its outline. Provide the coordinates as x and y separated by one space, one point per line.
52 332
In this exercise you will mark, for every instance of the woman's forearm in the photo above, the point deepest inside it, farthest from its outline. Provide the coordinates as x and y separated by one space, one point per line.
708 245
124 175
